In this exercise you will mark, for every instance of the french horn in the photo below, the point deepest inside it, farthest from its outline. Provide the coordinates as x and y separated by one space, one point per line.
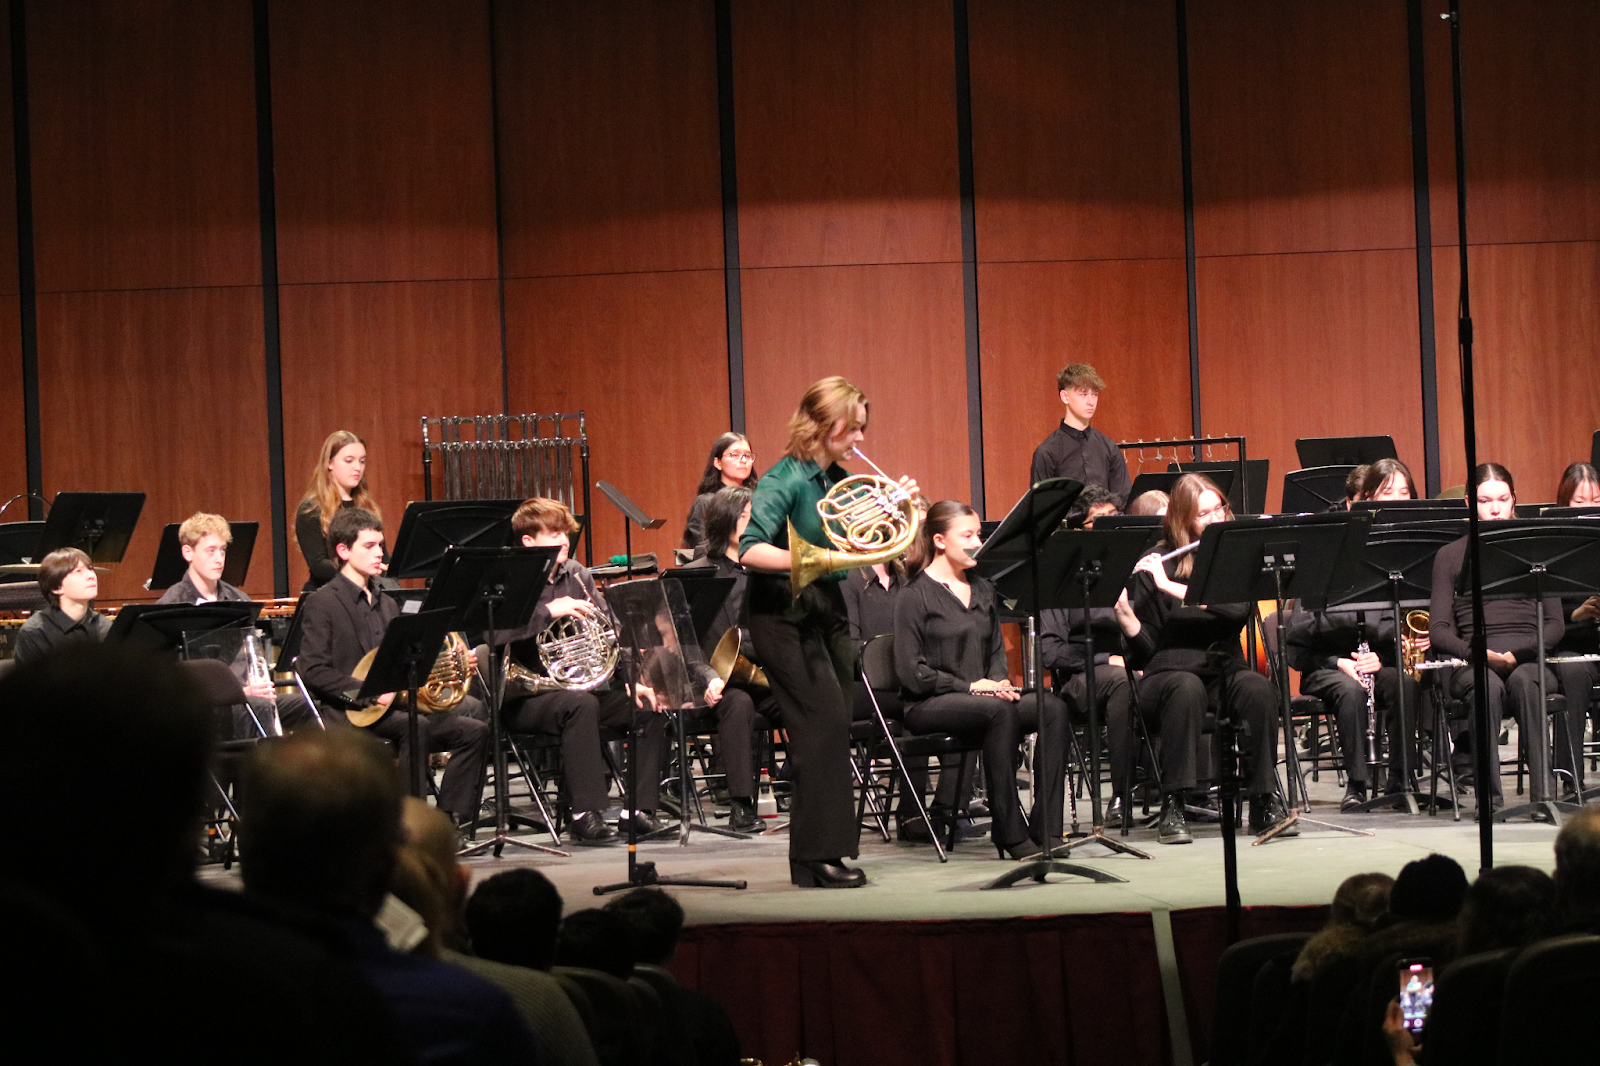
868 518
578 654
445 688
732 665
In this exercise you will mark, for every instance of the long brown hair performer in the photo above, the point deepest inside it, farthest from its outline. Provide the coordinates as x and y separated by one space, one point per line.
732 464
805 638
1191 654
339 480
952 665
1580 486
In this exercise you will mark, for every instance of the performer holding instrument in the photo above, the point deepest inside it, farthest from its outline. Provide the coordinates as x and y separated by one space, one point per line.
1512 633
1580 487
797 616
1191 655
69 584
573 695
204 540
732 465
338 481
346 619
741 702
952 664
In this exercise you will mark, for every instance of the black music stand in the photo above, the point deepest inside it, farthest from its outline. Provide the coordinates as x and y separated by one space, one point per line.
1396 573
1539 558
1391 512
1298 556
1314 490
19 543
1085 569
160 626
495 591
430 528
631 513
1344 451
1545 512
641 605
101 523
1014 548
706 591
1248 493
1163 480
170 565
1594 449
410 646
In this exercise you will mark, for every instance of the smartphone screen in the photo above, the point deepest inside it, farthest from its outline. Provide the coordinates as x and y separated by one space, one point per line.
1416 992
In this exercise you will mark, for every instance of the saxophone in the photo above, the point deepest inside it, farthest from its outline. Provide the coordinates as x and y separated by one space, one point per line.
1412 635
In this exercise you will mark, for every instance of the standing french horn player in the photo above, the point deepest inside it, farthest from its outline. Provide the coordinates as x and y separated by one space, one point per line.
565 658
797 616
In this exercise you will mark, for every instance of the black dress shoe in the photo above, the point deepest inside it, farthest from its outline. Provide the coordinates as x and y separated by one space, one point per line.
825 873
644 823
1172 828
590 828
1354 797
911 829
1027 849
743 817
1266 812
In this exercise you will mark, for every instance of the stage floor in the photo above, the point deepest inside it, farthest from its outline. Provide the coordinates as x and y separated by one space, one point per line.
907 882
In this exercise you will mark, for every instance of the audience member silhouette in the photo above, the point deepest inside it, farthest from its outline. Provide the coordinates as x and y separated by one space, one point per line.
1506 907
139 953
1577 873
654 921
320 827
514 917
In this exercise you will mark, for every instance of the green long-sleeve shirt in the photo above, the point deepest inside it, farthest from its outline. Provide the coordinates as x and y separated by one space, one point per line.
789 493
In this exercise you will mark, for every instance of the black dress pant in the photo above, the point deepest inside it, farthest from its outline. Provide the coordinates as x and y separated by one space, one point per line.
1113 694
1002 725
738 718
808 656
1521 690
1577 685
1248 699
951 769
1170 707
1344 695
576 717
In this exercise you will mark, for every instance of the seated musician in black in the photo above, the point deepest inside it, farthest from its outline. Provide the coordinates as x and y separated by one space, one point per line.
574 715
1191 656
1511 631
204 540
740 710
951 660
1579 487
344 620
69 584
1325 647
1063 648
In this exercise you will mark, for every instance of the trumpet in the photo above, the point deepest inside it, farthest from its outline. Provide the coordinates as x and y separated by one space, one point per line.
868 518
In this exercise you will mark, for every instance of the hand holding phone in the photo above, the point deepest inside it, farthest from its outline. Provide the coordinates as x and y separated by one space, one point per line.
1416 995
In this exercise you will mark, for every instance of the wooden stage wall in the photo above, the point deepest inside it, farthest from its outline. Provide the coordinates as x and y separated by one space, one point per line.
492 204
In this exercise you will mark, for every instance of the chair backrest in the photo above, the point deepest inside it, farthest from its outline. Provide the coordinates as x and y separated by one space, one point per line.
619 1034
1236 973
218 684
1464 1024
877 663
1542 1014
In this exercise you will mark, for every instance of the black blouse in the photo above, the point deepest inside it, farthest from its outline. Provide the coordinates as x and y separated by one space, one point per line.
941 646
1175 637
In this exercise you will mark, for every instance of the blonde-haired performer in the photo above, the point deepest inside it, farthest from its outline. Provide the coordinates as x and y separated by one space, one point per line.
204 539
339 480
805 639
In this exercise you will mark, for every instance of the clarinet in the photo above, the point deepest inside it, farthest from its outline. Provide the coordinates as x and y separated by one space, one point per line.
1368 682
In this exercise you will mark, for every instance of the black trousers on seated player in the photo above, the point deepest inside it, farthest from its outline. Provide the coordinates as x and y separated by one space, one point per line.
950 769
1002 725
738 719
1112 693
576 717
1251 702
1577 685
462 732
1344 696
1521 690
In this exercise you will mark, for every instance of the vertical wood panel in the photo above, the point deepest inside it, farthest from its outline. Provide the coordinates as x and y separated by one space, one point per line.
143 131
1075 130
846 129
895 331
608 133
375 359
1310 346
382 136
1128 318
1301 125
14 450
158 391
644 355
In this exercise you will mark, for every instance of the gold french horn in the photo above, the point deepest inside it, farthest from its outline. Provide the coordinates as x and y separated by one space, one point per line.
445 688
731 663
868 518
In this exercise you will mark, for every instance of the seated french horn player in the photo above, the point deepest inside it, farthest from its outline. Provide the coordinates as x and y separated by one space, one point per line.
575 698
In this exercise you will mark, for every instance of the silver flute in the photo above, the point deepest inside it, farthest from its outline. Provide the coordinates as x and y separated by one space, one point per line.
1185 550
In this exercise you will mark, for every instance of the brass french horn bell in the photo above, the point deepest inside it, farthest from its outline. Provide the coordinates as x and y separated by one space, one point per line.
732 665
868 518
